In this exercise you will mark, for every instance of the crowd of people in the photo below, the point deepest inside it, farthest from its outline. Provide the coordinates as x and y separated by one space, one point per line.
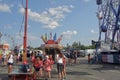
42 64
7 58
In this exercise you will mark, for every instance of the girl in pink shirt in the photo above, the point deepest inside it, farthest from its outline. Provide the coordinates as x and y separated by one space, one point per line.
47 68
38 64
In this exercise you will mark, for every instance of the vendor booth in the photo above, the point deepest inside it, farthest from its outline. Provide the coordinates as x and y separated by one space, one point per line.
52 46
4 46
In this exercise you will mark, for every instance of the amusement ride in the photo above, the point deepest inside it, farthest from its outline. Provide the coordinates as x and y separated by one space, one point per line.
109 22
108 15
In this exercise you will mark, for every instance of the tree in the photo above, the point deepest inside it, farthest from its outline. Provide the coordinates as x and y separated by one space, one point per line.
75 45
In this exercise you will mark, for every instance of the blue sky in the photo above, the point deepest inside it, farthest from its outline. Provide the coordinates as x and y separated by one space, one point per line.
75 19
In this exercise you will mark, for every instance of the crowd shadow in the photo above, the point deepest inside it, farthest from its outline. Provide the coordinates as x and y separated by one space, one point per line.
106 66
77 73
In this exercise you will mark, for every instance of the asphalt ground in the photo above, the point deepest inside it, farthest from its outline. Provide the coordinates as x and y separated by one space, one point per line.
80 71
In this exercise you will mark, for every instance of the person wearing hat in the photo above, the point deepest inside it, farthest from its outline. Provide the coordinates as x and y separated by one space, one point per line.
47 68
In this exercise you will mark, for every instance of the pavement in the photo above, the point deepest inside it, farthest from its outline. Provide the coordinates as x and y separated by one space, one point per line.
81 71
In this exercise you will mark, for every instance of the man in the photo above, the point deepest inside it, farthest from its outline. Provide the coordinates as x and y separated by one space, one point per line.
4 55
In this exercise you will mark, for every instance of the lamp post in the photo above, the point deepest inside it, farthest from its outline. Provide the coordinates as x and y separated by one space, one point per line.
25 33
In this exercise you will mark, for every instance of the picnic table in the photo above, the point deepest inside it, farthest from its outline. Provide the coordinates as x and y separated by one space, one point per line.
17 75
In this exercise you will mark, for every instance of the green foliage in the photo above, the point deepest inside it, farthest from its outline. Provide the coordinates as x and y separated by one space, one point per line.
75 45
78 45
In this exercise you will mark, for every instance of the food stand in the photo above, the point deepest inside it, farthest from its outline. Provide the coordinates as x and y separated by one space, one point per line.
52 46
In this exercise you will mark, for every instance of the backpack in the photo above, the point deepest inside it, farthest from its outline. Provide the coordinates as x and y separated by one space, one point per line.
25 68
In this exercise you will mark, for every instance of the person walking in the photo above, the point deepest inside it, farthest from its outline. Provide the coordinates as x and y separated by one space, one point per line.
60 66
10 61
4 56
89 58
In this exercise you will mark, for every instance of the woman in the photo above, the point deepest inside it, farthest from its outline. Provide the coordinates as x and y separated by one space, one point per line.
60 66
10 62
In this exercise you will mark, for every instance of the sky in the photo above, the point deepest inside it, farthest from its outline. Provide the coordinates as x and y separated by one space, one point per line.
74 19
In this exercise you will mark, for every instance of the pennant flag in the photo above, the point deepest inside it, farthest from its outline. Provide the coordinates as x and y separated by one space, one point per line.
51 36
55 37
59 39
43 38
46 36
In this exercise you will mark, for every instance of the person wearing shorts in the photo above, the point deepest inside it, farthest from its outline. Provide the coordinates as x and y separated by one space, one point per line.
10 62
60 66
37 66
47 68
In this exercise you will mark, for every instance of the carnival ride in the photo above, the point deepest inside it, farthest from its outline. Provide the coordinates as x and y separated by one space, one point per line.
109 22
7 39
109 26
52 46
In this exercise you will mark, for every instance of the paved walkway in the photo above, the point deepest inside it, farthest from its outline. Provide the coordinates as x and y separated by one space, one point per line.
82 71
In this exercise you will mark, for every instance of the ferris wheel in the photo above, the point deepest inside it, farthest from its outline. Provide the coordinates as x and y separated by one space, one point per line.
109 22
6 38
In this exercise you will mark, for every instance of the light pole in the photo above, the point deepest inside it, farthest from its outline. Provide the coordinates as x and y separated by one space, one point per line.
25 33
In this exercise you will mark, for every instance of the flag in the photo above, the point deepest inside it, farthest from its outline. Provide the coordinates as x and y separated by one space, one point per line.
55 37
59 39
43 38
46 36
51 36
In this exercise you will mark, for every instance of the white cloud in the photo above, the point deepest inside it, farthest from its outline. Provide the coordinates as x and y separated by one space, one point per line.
5 8
68 34
49 18
92 31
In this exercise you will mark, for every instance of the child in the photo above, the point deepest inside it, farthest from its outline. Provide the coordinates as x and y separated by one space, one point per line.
51 61
37 66
47 68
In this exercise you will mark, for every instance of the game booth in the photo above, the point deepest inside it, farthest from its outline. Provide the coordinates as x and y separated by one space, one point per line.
4 47
52 46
